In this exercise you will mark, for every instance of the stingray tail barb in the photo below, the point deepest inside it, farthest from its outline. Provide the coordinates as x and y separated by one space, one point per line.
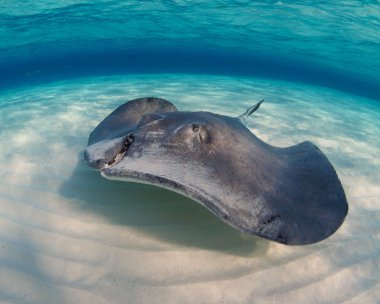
250 110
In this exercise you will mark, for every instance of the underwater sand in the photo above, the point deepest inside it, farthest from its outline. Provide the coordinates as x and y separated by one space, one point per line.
69 236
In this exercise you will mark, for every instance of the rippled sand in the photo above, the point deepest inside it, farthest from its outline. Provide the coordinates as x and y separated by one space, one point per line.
69 236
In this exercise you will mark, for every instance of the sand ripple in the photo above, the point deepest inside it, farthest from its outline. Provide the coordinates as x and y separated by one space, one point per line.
67 235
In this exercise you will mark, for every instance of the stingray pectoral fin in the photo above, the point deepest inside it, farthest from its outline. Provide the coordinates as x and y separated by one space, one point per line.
291 195
127 116
308 203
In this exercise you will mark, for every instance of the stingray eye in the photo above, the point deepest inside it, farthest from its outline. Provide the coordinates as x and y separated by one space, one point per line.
201 133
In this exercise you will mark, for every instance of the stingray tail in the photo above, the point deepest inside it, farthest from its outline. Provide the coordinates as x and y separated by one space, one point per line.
249 111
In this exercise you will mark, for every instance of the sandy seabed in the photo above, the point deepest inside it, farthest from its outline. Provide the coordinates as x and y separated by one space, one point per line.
69 236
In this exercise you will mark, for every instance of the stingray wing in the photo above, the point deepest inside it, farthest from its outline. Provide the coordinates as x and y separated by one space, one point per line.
291 195
127 116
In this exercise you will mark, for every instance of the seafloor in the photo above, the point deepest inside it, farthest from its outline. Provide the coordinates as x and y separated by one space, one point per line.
68 235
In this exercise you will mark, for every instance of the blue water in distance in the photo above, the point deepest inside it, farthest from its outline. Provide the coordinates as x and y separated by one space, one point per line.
335 44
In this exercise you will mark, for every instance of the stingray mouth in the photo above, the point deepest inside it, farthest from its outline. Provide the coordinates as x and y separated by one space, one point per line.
107 153
127 141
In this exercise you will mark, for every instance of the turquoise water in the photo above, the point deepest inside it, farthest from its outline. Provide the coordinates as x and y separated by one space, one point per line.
332 43
67 235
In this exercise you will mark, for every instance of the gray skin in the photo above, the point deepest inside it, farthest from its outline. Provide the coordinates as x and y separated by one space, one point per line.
288 195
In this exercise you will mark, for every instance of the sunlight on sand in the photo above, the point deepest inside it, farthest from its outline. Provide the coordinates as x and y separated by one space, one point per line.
68 235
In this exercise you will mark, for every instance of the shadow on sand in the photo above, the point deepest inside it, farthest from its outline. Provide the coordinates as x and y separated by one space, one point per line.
160 213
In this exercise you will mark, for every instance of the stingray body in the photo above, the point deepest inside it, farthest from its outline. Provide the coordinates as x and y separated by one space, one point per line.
288 195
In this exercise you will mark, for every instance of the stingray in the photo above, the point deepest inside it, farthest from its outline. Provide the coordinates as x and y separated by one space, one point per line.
290 195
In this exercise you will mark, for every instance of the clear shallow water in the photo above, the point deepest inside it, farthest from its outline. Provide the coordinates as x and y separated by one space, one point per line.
68 235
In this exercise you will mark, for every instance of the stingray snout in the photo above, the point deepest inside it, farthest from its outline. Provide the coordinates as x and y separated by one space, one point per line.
107 153
97 164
